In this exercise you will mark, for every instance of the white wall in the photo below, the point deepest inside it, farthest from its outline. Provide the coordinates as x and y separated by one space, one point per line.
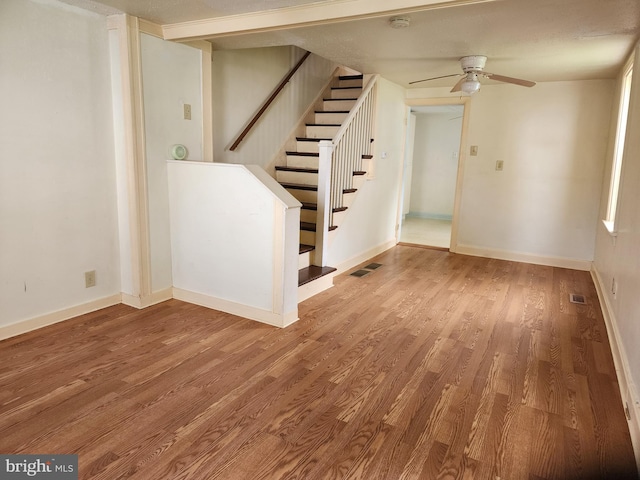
57 188
619 258
231 241
171 77
552 139
435 163
371 220
242 81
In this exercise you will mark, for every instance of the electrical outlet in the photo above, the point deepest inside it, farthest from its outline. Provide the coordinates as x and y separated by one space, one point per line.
474 150
187 111
499 165
90 279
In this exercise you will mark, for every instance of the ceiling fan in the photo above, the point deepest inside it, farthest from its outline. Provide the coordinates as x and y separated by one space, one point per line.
473 68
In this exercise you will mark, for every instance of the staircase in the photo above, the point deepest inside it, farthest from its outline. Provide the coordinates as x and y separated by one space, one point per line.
299 175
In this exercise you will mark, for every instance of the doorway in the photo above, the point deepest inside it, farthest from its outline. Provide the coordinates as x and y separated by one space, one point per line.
430 178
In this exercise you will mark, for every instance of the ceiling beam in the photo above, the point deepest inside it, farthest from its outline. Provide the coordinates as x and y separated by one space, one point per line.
301 16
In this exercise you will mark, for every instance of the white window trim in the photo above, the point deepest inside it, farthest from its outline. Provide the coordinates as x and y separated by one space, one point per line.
610 221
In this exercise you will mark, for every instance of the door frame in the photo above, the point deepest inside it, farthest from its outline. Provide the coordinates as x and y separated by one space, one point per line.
462 157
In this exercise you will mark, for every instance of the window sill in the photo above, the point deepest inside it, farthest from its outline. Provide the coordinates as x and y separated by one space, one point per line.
610 228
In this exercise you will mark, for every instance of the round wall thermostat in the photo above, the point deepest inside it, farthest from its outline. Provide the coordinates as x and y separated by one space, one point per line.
178 152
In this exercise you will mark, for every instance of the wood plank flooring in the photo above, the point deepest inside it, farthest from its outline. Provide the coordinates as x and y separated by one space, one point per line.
434 366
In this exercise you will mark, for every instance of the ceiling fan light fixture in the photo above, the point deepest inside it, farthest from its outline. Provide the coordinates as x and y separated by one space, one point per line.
471 84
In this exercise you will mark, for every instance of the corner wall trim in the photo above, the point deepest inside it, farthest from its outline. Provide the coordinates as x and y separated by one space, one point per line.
571 263
245 311
625 383
147 301
34 323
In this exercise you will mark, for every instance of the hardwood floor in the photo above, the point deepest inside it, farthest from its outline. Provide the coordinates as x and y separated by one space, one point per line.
433 366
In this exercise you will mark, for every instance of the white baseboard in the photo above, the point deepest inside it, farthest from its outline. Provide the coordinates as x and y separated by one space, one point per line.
156 297
573 264
628 390
246 311
430 216
25 326
364 256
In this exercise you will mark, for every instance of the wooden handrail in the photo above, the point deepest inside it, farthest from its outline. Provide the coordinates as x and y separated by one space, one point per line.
268 102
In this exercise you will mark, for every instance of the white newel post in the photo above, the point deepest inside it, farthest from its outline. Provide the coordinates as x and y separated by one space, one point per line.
324 191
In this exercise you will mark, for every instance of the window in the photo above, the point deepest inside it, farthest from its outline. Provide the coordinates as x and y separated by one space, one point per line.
618 149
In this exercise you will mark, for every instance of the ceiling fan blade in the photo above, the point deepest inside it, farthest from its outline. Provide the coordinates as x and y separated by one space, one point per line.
515 81
458 86
436 78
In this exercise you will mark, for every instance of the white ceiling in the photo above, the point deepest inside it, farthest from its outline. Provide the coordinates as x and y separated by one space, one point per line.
539 40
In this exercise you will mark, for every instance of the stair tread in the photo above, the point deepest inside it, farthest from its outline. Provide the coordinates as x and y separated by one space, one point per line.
314 206
299 186
323 124
313 272
337 99
368 157
306 248
306 139
304 154
329 112
349 190
345 88
359 172
351 77
308 226
296 169
311 227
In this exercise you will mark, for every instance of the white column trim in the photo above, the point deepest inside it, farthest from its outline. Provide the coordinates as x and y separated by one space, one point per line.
128 29
323 203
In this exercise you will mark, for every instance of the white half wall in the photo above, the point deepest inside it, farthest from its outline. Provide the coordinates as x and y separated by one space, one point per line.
553 140
58 212
171 78
242 81
234 241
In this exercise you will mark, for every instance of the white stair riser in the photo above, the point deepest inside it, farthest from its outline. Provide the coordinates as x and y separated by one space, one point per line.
304 260
321 131
358 181
330 117
298 161
308 238
307 215
304 195
346 93
354 82
348 198
310 289
338 217
303 178
339 105
307 147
